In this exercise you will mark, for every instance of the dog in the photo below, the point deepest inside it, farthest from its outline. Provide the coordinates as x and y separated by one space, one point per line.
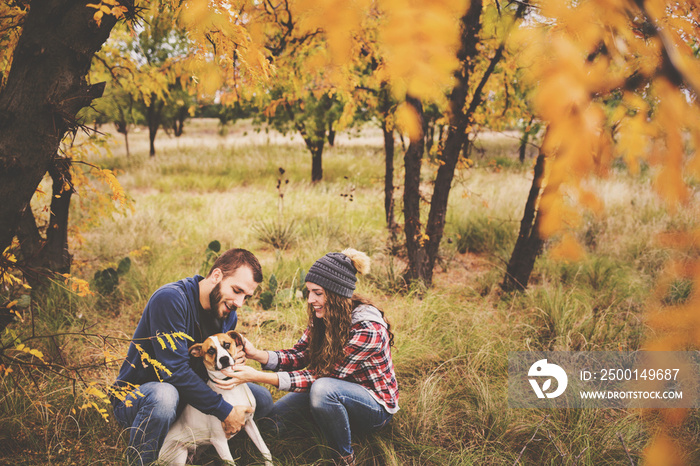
192 427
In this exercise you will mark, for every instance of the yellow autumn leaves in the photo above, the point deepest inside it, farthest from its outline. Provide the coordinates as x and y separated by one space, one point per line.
416 41
618 79
578 57
7 263
107 7
92 392
420 40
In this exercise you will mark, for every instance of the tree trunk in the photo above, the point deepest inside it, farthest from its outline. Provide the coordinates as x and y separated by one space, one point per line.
30 243
385 105
523 146
126 142
152 141
423 248
45 89
411 201
314 142
430 138
331 134
316 161
388 175
123 128
179 122
529 243
55 251
314 134
426 252
315 145
51 253
524 140
154 115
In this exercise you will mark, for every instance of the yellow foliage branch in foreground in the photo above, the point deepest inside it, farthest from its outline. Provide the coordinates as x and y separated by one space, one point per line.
618 79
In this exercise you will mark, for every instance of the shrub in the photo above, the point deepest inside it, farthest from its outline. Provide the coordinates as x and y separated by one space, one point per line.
277 233
481 234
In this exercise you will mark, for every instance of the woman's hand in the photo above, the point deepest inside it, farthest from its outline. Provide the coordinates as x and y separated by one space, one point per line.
253 353
249 348
242 374
240 355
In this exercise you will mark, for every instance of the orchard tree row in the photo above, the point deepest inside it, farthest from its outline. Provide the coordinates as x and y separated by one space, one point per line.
605 79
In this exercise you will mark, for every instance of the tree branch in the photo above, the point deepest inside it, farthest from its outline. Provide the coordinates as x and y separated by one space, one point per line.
672 66
622 441
531 439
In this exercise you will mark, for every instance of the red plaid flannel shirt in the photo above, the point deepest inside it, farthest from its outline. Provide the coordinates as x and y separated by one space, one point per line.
367 362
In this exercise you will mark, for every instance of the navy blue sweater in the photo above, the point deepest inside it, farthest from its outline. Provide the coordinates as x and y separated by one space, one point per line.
175 307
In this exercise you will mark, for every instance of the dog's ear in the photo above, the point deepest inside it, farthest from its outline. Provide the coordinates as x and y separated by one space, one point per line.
236 337
196 350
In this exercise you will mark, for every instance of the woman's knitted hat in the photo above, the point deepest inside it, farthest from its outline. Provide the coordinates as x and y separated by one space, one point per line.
336 271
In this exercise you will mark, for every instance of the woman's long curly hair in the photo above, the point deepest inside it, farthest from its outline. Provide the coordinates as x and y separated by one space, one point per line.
329 335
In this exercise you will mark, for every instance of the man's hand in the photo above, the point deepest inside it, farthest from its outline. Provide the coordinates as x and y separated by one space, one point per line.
236 420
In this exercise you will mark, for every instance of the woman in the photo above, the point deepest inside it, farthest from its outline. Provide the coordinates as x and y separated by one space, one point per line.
340 371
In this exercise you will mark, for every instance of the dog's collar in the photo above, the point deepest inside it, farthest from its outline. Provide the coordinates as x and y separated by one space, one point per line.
219 380
218 376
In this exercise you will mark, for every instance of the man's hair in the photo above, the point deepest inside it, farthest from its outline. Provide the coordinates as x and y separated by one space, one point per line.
233 259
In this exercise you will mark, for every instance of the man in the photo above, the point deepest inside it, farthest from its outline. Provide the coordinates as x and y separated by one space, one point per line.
158 378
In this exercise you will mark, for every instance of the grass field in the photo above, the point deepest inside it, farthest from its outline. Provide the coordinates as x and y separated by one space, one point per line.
452 341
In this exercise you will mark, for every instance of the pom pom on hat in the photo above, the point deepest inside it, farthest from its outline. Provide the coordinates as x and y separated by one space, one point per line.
336 271
359 259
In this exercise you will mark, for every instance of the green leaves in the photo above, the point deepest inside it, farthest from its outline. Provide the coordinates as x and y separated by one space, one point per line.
210 256
274 295
268 297
107 280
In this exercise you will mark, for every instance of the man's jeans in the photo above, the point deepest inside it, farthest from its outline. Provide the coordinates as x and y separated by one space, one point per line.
150 416
336 406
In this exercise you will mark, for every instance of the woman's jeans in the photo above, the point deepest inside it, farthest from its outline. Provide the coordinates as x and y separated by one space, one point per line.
150 416
336 406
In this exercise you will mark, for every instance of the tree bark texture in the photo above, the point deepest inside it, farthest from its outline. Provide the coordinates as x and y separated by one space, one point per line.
45 89
529 243
385 103
388 175
49 253
56 256
411 201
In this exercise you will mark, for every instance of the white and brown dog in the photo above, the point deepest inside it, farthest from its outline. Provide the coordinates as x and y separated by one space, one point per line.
192 427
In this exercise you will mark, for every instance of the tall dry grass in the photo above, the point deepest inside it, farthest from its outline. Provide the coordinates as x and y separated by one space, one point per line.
452 341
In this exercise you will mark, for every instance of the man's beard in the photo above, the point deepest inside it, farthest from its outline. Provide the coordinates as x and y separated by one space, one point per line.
215 301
